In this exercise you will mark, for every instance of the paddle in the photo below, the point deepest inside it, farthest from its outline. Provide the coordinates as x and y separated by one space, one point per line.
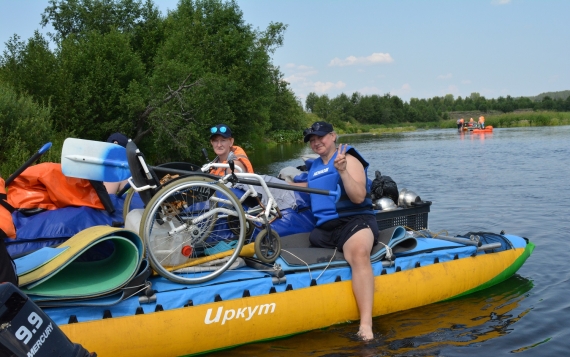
34 157
94 160
101 161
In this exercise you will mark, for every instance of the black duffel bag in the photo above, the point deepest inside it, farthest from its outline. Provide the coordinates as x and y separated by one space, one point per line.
384 186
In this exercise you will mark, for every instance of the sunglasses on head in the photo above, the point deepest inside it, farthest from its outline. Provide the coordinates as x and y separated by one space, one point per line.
315 127
215 129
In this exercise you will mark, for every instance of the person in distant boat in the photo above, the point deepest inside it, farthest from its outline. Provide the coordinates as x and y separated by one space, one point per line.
471 123
223 145
481 122
348 225
119 139
459 124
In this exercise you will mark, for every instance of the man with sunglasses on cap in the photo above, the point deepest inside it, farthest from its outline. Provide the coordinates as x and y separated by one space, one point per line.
348 225
223 145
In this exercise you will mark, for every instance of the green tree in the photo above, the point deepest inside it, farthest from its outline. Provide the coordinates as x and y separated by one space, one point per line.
97 72
567 104
322 107
412 114
310 102
120 66
29 67
397 106
547 103
140 21
448 101
24 127
231 65
355 98
343 108
458 106
285 111
369 110
525 103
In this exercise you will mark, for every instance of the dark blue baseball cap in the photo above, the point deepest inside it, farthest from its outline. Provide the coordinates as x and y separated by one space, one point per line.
118 138
319 128
221 129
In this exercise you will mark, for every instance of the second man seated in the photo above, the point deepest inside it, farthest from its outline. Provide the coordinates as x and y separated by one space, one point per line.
223 145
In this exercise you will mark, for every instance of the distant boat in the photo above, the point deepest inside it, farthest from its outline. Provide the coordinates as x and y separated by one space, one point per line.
488 129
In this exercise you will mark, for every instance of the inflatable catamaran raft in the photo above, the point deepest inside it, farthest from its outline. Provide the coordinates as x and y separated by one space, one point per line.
253 298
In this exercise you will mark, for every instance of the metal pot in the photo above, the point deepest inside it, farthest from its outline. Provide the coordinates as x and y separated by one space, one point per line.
408 198
385 204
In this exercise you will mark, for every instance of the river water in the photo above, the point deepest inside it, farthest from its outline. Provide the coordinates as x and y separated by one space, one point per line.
514 180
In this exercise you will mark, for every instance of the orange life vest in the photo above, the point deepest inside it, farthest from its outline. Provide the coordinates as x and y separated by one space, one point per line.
45 186
7 228
240 156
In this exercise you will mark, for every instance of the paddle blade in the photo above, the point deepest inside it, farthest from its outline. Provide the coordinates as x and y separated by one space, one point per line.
94 160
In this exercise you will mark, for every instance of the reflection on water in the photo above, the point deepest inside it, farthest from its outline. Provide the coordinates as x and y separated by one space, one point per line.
514 180
425 331
467 321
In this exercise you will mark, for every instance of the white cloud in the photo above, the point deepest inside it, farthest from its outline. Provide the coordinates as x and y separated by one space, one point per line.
404 89
466 81
295 79
322 87
298 74
445 76
301 79
301 70
374 58
500 2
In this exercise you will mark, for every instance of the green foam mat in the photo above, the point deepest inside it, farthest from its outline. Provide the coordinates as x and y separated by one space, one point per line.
64 278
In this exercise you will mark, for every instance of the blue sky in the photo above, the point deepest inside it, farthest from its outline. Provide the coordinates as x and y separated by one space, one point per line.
406 48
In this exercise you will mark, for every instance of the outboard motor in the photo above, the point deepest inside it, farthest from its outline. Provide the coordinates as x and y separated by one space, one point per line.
26 331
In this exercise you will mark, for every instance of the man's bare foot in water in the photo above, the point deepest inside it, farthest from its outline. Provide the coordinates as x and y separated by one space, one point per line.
365 333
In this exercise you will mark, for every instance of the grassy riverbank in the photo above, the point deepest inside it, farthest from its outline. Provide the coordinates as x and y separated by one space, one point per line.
497 120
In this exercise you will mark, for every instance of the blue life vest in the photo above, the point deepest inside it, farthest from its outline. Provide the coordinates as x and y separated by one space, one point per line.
326 177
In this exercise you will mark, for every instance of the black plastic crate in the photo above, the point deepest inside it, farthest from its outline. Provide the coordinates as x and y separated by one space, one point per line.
415 218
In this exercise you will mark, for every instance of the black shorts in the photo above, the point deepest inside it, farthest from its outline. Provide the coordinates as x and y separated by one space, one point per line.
333 234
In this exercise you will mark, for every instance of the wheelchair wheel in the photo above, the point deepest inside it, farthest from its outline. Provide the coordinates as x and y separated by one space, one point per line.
185 230
267 246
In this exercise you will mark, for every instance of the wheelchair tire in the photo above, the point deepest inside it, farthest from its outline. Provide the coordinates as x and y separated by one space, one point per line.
267 246
185 230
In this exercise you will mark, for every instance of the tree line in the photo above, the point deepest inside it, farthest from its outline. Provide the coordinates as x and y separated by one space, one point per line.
389 109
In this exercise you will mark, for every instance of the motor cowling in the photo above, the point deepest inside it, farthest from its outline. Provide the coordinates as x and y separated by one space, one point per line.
26 331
